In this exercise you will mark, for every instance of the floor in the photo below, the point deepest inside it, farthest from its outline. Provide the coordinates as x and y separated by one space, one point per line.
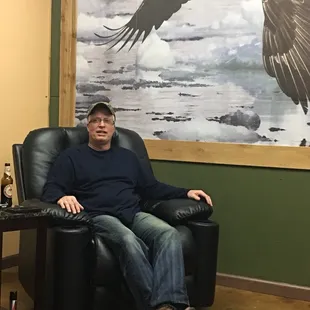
226 298
232 299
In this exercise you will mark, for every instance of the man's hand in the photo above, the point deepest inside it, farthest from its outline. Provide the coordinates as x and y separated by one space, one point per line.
197 193
70 204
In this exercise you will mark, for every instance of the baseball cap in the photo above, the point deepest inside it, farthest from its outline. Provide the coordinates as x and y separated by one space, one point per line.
103 105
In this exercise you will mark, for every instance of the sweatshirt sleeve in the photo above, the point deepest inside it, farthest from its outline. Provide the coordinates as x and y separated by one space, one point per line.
149 187
59 181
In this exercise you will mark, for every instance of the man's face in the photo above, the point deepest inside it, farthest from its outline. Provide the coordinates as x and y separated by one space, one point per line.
101 126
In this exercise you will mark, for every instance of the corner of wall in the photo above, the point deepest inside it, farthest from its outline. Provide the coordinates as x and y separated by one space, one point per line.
54 63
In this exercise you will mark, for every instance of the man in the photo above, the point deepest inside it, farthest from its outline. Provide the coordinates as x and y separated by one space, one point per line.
108 183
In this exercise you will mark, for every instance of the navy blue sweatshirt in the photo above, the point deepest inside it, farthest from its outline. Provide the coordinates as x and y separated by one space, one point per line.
105 182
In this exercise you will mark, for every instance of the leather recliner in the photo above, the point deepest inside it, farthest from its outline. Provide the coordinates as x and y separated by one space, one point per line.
82 273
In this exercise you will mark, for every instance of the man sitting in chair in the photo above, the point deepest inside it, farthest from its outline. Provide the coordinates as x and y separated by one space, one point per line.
108 183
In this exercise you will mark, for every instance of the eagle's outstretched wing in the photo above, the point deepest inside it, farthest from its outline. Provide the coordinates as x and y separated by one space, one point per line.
151 13
286 47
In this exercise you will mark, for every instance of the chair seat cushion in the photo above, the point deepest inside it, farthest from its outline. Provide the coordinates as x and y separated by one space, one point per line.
106 270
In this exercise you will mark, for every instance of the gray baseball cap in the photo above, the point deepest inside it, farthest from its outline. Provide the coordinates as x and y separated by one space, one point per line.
102 105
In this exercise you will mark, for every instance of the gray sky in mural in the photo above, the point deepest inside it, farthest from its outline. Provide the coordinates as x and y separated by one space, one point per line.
199 77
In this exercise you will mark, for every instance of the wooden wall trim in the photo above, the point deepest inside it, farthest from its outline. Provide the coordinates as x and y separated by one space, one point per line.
10 261
67 79
229 154
201 152
264 287
238 282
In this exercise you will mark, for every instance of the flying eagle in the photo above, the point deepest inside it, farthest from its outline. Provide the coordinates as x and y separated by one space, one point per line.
286 39
151 13
286 47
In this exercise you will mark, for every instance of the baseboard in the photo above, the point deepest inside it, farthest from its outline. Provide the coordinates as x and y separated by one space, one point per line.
243 283
10 261
264 287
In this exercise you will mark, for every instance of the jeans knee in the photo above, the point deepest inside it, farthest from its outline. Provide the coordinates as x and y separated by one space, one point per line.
131 242
128 239
171 235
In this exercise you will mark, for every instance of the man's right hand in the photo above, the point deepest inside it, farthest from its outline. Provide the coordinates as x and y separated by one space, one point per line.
70 204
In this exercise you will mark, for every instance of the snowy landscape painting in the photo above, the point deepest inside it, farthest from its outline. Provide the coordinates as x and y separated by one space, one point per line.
199 75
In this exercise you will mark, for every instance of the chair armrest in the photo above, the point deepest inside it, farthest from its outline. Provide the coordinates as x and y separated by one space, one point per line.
57 214
206 236
178 211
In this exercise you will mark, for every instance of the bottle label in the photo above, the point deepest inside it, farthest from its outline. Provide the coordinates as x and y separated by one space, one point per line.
7 191
7 170
14 305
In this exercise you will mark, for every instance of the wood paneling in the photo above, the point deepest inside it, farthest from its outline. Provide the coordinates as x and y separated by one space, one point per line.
229 154
284 290
67 62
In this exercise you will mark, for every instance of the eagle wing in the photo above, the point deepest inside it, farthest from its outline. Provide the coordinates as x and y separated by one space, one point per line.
151 13
286 47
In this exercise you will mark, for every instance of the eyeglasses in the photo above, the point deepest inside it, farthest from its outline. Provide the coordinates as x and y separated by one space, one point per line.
96 121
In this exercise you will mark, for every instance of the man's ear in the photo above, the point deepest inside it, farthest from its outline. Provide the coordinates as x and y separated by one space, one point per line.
114 133
87 124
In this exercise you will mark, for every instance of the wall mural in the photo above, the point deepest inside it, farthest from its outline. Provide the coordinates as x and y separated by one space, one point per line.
213 71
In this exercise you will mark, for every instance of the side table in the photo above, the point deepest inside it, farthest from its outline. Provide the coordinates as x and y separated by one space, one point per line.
20 221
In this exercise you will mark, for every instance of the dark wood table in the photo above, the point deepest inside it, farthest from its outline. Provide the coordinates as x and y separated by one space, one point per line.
21 221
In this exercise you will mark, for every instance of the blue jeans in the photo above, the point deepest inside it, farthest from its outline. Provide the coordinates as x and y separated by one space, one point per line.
150 257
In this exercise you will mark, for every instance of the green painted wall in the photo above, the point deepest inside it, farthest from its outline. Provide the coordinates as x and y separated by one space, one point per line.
55 45
264 214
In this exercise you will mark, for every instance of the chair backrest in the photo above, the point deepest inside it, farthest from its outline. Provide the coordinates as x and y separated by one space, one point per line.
33 159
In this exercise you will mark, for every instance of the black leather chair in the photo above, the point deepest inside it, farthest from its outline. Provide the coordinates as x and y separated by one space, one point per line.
82 273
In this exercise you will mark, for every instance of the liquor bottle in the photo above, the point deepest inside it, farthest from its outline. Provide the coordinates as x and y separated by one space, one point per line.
13 300
6 186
